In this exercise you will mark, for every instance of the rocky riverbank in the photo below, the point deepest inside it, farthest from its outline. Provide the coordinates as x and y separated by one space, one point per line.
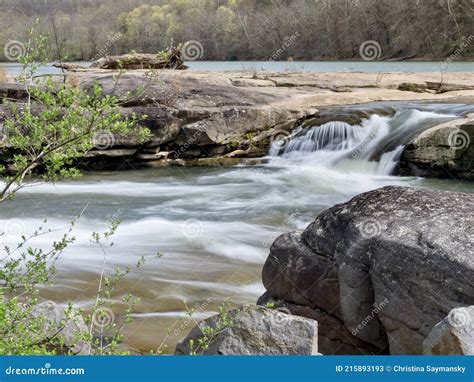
225 118
389 272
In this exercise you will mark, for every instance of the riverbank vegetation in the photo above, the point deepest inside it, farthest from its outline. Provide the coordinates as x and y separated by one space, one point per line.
243 30
45 135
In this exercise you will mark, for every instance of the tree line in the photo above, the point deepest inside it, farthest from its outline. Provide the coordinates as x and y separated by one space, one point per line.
247 29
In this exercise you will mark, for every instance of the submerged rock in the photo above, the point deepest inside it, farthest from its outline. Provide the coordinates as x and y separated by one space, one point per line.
453 335
387 266
254 330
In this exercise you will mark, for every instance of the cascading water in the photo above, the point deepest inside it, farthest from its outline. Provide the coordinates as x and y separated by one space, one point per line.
374 146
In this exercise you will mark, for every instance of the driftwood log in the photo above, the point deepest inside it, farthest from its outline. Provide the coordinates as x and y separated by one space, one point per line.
170 60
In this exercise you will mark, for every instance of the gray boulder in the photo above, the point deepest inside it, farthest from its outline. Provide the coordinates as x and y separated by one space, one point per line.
334 338
453 335
254 330
388 265
446 151
65 327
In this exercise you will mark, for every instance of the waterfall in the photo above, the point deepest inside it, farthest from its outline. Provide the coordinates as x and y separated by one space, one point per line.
376 144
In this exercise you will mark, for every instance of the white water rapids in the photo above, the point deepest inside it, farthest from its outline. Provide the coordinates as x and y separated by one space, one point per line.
214 226
373 147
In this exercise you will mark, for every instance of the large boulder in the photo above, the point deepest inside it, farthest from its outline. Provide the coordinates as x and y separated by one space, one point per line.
253 330
453 335
387 265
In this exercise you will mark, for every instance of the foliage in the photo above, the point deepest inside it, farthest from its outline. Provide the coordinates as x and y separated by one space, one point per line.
243 29
46 135
58 124
24 270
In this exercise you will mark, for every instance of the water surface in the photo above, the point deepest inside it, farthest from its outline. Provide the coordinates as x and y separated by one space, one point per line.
14 69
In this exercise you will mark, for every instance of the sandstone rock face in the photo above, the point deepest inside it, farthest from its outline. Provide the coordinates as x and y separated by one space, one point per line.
257 331
209 116
387 266
205 118
66 327
452 336
193 117
445 151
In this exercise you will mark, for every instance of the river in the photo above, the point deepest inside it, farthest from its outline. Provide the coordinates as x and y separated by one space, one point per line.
213 226
14 69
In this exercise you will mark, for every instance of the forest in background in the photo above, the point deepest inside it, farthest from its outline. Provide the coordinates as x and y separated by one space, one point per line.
247 29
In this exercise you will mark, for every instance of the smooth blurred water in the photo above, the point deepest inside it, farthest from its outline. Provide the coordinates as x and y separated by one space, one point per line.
14 69
214 227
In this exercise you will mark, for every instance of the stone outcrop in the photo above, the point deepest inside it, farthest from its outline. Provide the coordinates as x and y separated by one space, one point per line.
67 327
207 118
194 119
454 335
254 330
446 151
384 268
221 118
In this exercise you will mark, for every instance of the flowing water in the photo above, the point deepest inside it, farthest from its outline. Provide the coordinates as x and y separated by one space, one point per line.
214 225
